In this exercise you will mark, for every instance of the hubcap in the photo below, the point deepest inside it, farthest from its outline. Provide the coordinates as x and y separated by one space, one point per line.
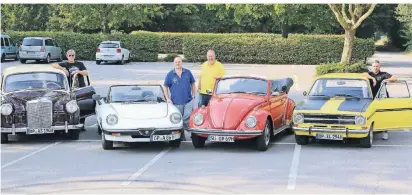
267 135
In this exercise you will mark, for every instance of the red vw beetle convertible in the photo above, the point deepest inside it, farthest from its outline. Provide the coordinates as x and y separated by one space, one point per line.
244 107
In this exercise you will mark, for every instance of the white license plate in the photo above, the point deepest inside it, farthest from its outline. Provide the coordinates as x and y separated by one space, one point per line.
217 138
159 138
39 131
31 52
329 136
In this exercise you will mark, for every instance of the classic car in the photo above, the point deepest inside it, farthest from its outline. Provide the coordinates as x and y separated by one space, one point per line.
137 113
341 106
244 107
37 99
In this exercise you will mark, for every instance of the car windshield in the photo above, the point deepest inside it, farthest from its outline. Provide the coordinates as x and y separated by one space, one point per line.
32 42
36 80
136 93
341 87
109 45
242 85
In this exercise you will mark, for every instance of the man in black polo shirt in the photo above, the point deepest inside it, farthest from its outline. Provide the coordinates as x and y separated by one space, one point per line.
377 78
72 67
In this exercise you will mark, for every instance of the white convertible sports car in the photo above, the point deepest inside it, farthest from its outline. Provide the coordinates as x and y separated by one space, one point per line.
137 113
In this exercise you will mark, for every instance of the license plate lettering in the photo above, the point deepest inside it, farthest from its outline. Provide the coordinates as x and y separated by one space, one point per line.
329 136
40 131
163 137
216 138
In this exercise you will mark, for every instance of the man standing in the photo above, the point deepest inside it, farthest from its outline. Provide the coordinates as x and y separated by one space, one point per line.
378 77
181 84
72 67
211 70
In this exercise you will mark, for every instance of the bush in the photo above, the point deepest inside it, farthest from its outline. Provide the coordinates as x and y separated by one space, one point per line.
170 57
298 49
358 67
144 47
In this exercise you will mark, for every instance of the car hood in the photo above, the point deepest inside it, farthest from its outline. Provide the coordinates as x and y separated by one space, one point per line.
19 99
228 111
334 105
141 110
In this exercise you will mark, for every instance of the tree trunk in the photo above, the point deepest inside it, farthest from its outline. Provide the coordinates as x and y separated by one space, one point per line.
285 30
347 47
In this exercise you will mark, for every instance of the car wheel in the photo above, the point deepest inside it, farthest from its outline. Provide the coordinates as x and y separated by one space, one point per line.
48 59
262 142
175 143
99 130
197 141
4 138
3 58
289 130
74 134
98 62
106 145
60 58
23 61
367 141
122 61
17 57
302 140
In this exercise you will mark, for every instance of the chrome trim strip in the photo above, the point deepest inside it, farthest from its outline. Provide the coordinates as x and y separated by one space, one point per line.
226 132
129 138
137 130
356 131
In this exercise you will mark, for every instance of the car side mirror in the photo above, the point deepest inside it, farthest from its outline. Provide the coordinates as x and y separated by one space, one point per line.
275 93
305 93
96 97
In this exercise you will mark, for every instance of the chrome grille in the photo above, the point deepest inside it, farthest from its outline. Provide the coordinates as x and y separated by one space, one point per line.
329 119
39 114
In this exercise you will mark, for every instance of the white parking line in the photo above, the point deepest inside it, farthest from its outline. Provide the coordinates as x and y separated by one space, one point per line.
296 82
144 168
294 168
31 154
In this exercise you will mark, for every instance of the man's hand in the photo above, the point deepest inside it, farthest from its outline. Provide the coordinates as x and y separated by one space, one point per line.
169 101
374 81
75 72
218 77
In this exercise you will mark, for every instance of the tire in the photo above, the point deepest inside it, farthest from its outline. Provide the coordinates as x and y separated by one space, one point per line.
367 141
74 134
99 130
289 130
4 138
122 61
262 142
176 143
197 141
98 62
3 58
22 61
60 58
48 59
302 140
106 145
17 57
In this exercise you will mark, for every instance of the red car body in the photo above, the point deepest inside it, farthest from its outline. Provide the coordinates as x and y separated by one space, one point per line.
227 113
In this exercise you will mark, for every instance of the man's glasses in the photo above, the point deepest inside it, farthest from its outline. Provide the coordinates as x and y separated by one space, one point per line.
71 55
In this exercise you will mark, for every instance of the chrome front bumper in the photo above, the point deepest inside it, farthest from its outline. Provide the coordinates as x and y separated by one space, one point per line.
66 128
226 132
328 130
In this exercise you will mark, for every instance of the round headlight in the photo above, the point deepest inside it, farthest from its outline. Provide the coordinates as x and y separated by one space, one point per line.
71 107
111 119
198 119
298 118
6 109
359 120
175 118
251 121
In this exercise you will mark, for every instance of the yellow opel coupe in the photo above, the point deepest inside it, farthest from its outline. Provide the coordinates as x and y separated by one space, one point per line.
339 106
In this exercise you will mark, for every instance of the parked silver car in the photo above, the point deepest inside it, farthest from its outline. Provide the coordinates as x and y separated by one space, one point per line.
8 48
40 49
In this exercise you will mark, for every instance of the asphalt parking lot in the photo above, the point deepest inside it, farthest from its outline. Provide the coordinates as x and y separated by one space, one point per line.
51 164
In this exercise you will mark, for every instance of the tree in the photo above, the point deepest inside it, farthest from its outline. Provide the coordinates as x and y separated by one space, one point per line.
404 15
350 24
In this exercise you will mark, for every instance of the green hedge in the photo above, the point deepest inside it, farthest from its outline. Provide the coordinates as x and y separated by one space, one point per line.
299 49
358 67
143 47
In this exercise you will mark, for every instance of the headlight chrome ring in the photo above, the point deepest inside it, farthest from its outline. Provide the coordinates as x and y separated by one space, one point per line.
298 118
72 107
360 120
198 119
6 109
112 119
175 118
251 121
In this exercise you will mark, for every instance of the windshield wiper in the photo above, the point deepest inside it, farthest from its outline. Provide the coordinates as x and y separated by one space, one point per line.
319 95
346 95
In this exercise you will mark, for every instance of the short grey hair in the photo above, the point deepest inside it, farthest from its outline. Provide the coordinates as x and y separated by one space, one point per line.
70 51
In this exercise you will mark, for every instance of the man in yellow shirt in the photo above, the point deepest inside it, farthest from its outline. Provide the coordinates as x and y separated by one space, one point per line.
211 70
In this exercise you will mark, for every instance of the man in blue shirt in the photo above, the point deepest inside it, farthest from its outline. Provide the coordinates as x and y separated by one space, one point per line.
181 83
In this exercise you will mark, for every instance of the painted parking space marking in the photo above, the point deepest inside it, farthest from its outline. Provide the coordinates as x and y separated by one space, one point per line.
294 168
28 155
145 167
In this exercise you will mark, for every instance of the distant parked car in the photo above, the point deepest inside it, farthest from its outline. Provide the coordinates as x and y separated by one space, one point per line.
8 48
112 51
40 49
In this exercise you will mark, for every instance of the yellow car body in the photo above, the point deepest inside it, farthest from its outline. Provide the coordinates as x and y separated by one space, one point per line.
353 113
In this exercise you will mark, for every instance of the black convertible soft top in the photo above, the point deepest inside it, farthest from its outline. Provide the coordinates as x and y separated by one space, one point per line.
283 84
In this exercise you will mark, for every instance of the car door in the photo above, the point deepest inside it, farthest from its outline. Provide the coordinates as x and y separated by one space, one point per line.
277 104
58 50
392 107
84 97
13 48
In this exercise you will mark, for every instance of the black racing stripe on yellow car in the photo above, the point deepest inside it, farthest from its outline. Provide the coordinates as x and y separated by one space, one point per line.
393 109
312 104
355 105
